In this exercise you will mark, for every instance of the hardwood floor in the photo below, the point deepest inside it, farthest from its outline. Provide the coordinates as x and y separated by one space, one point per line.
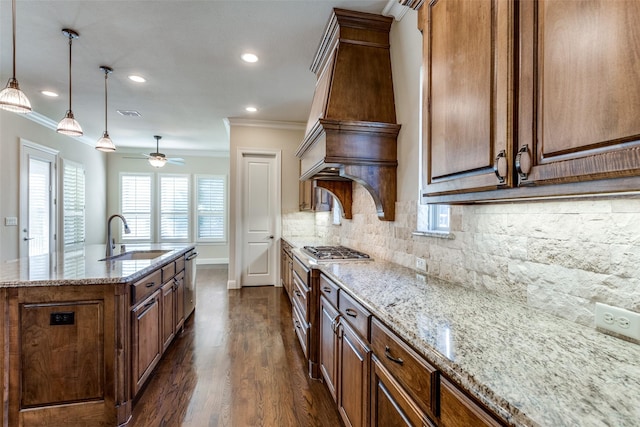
237 363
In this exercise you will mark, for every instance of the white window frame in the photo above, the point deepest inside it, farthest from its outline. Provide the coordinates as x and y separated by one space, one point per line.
196 213
158 205
78 169
127 237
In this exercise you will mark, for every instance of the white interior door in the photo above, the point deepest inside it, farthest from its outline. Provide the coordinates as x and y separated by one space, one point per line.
38 185
259 212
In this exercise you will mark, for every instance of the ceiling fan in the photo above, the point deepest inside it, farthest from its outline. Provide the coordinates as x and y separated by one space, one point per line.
158 159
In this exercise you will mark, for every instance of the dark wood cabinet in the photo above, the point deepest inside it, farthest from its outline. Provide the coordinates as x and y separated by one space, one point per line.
530 99
328 359
458 410
168 313
467 96
314 198
179 298
353 381
146 338
286 267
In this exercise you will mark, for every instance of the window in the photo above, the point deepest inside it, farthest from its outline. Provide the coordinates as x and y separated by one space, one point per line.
135 200
211 202
73 203
174 207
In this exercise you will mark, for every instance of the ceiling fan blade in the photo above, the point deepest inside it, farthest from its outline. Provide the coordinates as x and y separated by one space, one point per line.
175 161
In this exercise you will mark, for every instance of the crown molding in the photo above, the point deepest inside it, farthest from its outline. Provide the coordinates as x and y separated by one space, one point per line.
272 124
395 9
46 122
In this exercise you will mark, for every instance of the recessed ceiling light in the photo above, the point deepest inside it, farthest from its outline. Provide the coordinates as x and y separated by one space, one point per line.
49 93
137 79
129 113
249 57
251 109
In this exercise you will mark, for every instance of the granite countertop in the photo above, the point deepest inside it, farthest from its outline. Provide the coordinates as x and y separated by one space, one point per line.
83 267
529 367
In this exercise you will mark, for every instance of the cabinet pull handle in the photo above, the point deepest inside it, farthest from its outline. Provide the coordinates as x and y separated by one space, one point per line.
297 324
500 166
150 285
351 312
387 353
523 162
298 294
326 289
146 308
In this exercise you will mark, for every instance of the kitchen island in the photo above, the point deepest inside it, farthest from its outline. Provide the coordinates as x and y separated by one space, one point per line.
523 366
81 335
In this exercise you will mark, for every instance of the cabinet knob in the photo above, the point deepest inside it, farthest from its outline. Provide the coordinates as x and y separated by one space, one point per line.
501 166
523 162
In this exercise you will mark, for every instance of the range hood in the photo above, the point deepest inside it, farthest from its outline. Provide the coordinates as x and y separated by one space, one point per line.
352 133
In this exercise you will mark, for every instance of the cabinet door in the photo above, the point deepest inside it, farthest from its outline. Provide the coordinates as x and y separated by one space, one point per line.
467 93
328 345
579 91
353 371
179 298
146 337
391 406
168 314
305 197
457 410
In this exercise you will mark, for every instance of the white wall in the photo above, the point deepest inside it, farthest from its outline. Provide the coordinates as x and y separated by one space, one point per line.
209 253
283 138
12 128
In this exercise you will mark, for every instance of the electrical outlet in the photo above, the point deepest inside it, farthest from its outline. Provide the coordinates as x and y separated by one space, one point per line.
421 264
618 320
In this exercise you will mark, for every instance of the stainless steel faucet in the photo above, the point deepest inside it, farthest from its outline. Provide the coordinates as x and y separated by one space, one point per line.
111 244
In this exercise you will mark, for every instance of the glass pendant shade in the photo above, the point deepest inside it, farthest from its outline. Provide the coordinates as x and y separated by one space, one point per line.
157 161
12 98
69 125
105 143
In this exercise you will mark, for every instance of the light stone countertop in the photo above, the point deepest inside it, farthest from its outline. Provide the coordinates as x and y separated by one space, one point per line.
531 368
82 267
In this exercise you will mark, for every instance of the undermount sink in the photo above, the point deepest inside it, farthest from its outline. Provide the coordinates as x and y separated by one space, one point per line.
136 255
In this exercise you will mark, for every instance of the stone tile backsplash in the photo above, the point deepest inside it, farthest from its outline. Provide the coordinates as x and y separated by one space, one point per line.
558 256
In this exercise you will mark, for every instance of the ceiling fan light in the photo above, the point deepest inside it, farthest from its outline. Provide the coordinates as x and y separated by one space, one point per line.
157 161
105 143
69 125
13 99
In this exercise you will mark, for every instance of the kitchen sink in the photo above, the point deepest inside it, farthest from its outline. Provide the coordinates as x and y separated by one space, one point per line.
136 255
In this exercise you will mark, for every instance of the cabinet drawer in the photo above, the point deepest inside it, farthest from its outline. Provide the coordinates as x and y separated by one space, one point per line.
302 271
456 409
300 296
180 264
300 326
146 286
329 290
168 271
418 377
355 314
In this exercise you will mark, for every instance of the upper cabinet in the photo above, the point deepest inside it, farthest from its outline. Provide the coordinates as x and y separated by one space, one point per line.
519 95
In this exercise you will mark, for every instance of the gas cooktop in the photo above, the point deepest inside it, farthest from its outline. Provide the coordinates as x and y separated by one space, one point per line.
335 253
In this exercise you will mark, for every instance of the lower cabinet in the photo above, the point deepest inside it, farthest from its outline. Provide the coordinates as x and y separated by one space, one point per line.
458 410
146 337
329 345
353 368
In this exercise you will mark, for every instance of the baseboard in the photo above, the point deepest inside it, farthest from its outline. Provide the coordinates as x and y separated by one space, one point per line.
231 284
203 261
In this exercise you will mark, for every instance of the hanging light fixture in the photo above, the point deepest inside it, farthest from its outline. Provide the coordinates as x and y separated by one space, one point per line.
69 125
11 97
105 143
157 159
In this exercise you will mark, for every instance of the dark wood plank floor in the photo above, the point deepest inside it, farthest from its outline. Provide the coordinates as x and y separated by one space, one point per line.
237 363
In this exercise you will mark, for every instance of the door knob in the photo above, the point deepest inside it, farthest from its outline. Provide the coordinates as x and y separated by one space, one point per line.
28 238
271 237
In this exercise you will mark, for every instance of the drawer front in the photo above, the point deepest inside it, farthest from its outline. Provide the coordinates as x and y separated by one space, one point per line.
355 314
300 326
300 297
168 271
418 377
301 271
145 287
329 290
180 264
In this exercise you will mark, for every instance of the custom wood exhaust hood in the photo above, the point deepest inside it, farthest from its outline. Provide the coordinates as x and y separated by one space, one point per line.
352 133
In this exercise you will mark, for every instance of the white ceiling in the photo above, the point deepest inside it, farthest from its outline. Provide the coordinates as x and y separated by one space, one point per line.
189 52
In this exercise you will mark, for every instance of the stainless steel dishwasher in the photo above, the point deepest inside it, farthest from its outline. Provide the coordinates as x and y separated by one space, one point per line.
190 282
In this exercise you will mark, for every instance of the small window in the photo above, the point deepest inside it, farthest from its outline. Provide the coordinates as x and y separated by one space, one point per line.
135 191
211 205
433 219
174 207
73 205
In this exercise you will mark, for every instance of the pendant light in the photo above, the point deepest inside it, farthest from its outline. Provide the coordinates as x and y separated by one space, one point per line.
157 159
11 97
69 125
105 143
